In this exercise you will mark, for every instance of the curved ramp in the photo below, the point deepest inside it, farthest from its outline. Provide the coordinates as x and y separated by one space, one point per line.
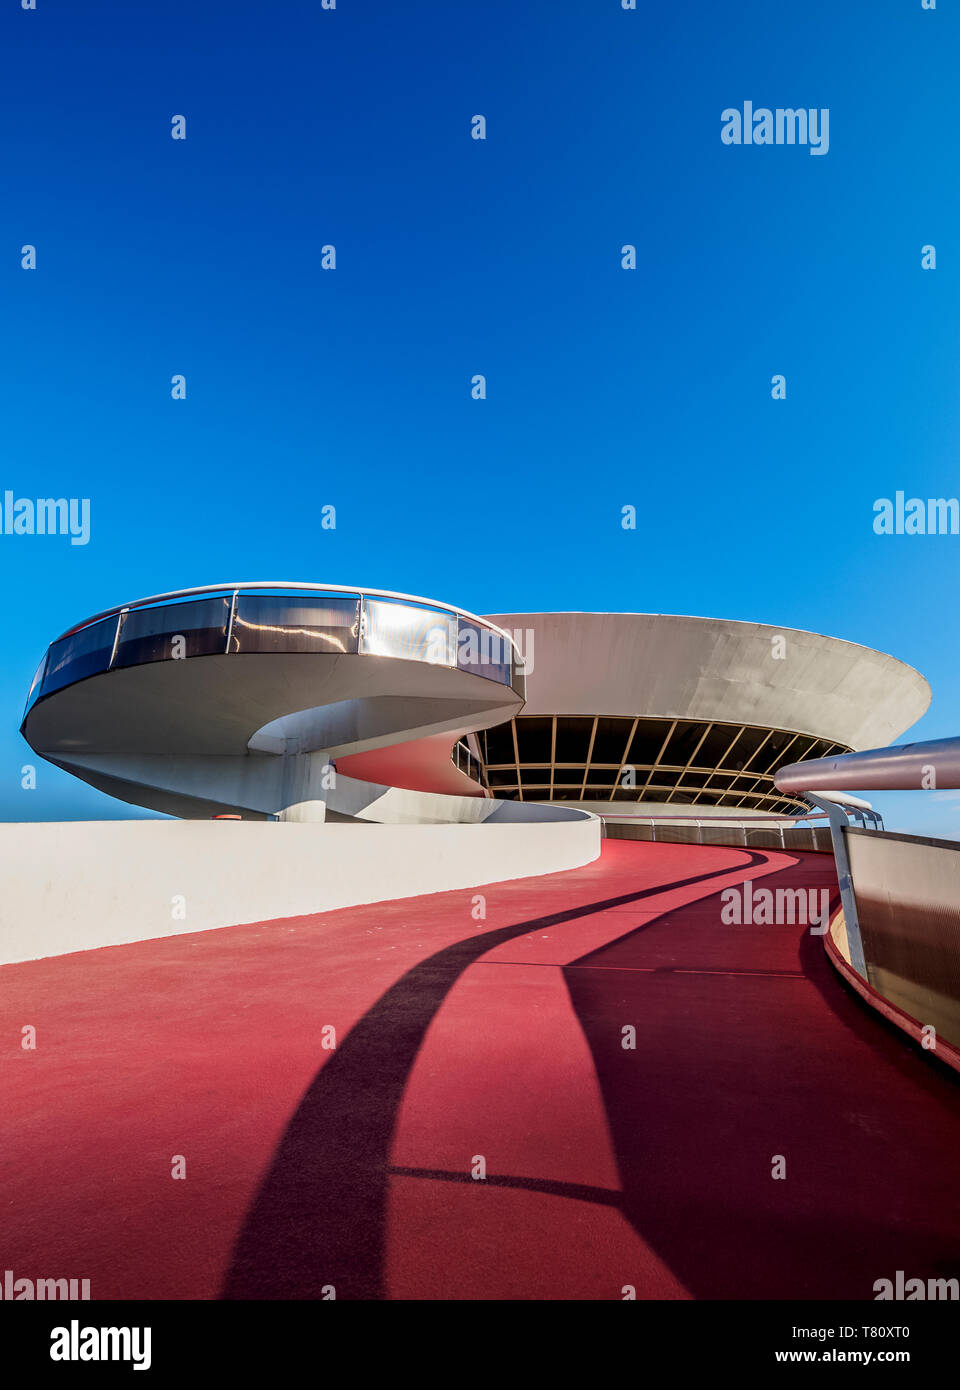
498 1038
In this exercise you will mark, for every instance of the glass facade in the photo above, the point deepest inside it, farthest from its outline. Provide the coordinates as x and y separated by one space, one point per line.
406 630
243 621
485 652
311 623
173 631
78 655
619 758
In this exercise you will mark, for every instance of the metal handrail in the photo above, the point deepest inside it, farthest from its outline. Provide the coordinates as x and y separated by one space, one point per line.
757 823
933 764
712 820
929 766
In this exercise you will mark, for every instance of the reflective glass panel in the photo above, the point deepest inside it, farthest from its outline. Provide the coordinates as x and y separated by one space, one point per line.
305 623
408 631
83 653
35 683
535 738
484 652
173 631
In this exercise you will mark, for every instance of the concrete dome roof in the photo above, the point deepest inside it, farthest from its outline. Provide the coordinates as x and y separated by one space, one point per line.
660 665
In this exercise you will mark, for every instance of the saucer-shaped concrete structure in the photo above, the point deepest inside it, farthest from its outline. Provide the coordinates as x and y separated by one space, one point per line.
237 698
307 701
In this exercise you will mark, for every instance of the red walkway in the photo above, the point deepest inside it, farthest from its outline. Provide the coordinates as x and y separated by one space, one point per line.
461 1040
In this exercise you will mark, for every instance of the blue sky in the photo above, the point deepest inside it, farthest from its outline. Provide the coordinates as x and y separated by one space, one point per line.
454 257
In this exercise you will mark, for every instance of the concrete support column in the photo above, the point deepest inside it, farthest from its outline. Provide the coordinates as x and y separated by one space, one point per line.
305 781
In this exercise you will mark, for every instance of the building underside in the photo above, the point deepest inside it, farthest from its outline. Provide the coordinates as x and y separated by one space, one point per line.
629 759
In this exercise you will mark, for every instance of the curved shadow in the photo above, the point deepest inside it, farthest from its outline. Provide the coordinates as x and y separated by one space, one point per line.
730 1072
319 1217
890 1044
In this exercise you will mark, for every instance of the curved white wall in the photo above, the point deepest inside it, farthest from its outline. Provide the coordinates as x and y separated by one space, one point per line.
77 885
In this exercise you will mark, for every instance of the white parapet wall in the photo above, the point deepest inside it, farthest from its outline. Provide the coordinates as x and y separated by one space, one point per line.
74 886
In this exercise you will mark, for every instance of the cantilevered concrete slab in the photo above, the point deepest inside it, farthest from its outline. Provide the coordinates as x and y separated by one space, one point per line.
237 699
665 666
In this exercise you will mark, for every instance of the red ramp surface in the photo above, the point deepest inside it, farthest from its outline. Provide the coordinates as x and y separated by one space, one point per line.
466 1044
